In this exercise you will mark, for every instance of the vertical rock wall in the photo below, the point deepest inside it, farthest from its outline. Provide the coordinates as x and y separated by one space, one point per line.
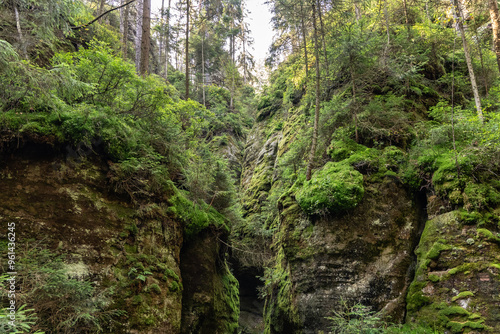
132 254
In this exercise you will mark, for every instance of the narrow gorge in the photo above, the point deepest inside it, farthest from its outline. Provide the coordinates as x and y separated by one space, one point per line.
157 177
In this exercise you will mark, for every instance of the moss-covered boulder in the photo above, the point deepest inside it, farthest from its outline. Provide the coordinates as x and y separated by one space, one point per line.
335 188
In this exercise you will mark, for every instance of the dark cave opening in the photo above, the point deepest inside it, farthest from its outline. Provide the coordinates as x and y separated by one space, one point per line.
251 306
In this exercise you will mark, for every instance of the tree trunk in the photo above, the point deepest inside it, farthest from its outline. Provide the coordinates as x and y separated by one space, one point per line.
483 71
125 32
138 34
101 8
188 5
355 103
19 32
203 68
304 33
233 65
146 37
316 111
323 39
162 29
407 21
386 16
244 56
122 17
495 25
357 10
167 40
458 18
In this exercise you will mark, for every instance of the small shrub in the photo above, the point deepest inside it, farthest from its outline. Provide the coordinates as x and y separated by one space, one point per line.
357 319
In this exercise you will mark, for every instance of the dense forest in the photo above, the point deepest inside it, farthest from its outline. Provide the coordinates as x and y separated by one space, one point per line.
152 181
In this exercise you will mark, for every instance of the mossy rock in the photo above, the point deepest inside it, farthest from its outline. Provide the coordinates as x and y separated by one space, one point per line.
335 188
342 149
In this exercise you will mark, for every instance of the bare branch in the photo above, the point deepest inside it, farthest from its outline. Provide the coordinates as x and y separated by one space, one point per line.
105 13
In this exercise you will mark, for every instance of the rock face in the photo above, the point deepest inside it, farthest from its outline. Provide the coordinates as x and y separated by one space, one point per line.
258 168
362 256
210 297
128 255
457 278
368 254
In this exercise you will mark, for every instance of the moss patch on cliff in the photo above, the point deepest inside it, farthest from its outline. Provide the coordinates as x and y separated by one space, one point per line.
335 188
454 277
227 302
280 311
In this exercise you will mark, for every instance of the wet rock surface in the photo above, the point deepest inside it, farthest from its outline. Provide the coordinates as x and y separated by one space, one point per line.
362 256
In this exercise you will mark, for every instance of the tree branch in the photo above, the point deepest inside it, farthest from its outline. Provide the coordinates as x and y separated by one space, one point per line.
105 13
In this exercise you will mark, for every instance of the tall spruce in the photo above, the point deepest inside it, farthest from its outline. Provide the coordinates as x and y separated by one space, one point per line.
188 8
312 153
146 37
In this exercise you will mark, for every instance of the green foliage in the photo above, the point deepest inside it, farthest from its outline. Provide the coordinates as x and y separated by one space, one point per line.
463 176
25 319
60 300
196 216
360 319
269 105
112 82
92 98
385 122
46 25
335 188
356 319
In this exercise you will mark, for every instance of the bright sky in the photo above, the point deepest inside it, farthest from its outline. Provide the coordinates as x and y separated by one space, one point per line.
259 20
260 25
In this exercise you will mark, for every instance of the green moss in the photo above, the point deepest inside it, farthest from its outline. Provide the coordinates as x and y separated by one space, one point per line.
470 217
154 288
335 188
172 274
280 312
137 300
487 234
196 217
494 265
227 302
463 294
416 299
434 278
445 179
131 249
436 250
475 316
454 310
479 196
174 286
343 149
458 327
463 268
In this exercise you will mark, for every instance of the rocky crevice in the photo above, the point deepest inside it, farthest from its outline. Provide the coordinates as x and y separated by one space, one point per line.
363 256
